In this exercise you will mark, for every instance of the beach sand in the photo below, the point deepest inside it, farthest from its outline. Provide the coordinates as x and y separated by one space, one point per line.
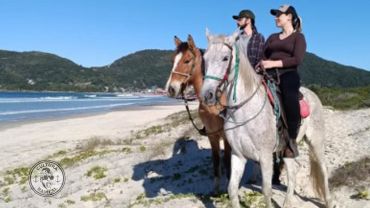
147 157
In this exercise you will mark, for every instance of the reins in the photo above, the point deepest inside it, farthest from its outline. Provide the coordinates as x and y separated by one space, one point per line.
224 82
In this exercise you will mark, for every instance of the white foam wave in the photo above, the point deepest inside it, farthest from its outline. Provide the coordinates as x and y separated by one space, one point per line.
63 109
34 100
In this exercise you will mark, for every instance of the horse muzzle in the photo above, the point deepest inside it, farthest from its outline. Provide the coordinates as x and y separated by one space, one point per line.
174 90
209 97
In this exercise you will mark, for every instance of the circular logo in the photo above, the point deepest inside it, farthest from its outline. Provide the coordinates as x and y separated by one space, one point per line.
46 178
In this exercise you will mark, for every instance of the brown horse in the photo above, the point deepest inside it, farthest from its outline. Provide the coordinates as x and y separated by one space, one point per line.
188 70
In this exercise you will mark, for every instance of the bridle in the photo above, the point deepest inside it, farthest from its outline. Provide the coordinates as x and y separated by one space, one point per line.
224 83
187 75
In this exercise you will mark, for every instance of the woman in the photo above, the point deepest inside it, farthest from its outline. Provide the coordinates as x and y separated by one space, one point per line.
283 53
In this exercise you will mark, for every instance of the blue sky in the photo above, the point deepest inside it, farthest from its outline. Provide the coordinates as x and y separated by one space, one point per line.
97 32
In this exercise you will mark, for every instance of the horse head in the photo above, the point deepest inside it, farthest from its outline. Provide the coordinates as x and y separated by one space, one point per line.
218 60
185 62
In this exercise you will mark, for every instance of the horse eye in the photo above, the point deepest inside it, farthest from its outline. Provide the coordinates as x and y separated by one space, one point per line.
225 58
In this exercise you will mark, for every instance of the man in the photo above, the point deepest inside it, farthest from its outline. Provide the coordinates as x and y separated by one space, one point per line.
250 40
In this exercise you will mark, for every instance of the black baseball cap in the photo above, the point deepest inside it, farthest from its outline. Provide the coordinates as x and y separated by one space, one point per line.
244 13
284 9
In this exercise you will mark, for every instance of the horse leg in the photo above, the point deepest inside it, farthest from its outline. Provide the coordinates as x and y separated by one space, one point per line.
215 145
237 170
291 173
266 169
227 157
319 173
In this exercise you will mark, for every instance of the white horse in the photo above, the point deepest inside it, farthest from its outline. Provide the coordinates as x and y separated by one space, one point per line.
250 125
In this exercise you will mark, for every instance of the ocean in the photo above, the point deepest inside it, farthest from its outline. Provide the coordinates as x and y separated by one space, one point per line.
25 106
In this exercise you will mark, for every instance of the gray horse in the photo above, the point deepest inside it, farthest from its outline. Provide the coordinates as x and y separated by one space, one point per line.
250 123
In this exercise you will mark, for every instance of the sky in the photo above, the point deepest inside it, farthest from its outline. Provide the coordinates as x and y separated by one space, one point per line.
98 32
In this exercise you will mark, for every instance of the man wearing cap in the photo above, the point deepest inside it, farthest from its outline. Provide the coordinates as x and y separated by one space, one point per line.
250 41
252 44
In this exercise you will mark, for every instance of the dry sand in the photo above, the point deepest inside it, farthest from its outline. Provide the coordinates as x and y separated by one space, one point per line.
168 165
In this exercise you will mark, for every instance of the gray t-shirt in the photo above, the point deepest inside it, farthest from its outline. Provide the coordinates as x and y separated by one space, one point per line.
242 42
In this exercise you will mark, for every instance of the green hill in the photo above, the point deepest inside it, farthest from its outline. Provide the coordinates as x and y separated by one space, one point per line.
143 69
318 71
140 70
41 71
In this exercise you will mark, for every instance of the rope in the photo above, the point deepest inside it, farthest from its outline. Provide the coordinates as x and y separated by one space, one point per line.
236 71
277 111
239 124
192 120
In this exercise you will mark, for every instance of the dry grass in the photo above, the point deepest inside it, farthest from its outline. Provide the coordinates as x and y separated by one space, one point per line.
353 174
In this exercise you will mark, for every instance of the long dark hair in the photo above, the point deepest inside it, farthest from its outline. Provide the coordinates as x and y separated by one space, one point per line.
254 28
296 20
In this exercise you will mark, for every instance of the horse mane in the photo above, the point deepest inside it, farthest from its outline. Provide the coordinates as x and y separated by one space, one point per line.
246 71
203 67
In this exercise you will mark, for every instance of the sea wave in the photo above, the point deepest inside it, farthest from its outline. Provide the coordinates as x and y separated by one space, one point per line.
6 113
44 99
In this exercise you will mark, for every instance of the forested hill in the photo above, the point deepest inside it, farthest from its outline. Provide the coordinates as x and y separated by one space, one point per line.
140 70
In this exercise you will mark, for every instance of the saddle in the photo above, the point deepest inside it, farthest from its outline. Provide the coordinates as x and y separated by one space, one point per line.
282 125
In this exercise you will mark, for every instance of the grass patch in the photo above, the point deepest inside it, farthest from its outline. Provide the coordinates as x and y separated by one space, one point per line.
94 142
97 172
62 206
126 150
59 153
24 189
142 201
351 174
142 148
94 197
344 98
70 161
7 199
175 120
70 202
116 180
252 199
5 195
362 193
17 175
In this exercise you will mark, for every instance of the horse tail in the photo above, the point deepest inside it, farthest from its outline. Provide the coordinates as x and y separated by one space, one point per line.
316 175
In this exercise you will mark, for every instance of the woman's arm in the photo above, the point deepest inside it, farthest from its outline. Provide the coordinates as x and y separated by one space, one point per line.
294 61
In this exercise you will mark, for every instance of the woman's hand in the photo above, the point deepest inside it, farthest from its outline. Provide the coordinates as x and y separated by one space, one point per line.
268 64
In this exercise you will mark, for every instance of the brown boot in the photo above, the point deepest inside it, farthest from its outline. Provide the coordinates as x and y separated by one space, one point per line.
291 150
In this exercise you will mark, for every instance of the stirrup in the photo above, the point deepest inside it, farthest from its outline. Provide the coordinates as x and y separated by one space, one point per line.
291 150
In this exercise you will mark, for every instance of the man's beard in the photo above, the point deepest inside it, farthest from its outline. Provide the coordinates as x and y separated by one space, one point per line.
242 26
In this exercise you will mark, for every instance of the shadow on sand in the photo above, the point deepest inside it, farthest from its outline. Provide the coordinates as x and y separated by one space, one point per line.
188 171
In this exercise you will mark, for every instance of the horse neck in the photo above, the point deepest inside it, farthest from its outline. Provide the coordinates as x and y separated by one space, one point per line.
246 78
197 77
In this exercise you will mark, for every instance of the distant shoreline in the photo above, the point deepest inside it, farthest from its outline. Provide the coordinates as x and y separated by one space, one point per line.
13 124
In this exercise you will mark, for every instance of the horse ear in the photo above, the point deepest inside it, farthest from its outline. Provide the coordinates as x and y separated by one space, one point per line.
191 42
232 38
177 41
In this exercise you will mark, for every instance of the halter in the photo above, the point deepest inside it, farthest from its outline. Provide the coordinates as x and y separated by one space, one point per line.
219 91
187 75
185 83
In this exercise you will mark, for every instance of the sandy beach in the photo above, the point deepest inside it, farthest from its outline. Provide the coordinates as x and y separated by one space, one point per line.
152 157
